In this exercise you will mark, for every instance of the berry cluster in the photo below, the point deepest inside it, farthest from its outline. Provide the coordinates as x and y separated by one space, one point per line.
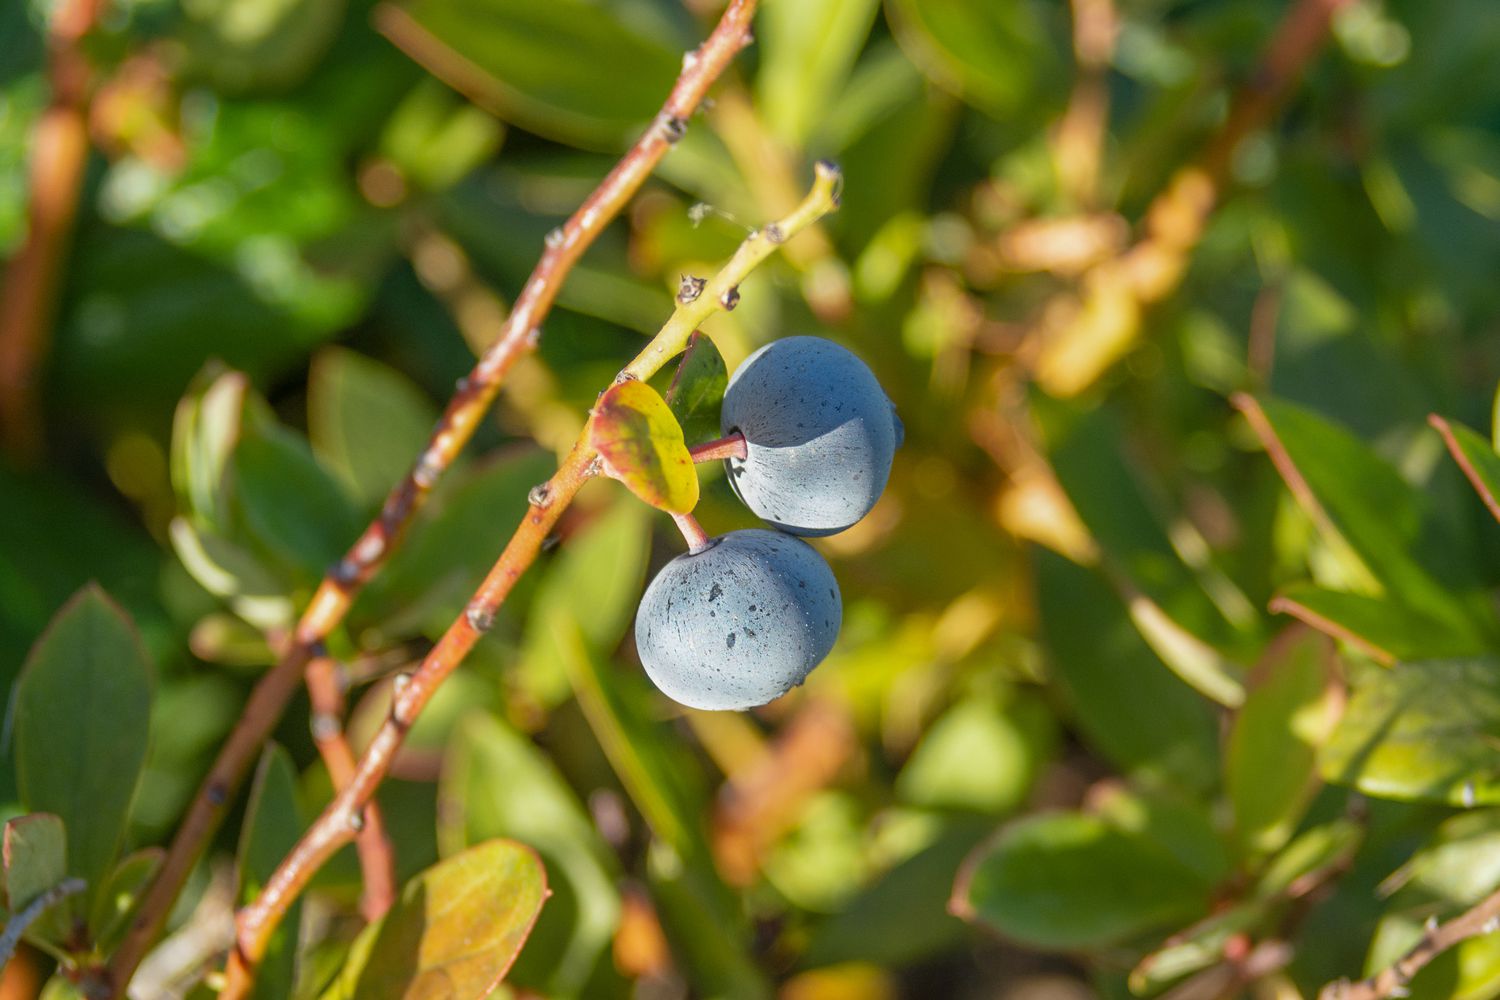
743 618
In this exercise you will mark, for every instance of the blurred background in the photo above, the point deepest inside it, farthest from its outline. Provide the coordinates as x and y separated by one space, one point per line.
1070 233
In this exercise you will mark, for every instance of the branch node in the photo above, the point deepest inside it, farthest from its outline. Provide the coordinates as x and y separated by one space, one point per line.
556 238
217 794
540 496
357 820
730 298
400 683
324 726
481 617
427 470
774 233
1491 925
673 128
689 288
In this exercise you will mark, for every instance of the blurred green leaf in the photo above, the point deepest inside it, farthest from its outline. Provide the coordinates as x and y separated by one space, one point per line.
1011 740
496 783
807 49
83 711
697 389
122 894
454 931
569 70
434 137
1125 701
1067 880
367 422
273 825
36 857
992 54
1397 546
1271 761
243 45
641 442
1476 457
1423 730
1383 628
205 430
593 586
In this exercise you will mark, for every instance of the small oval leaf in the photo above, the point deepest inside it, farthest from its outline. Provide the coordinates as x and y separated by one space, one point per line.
83 710
454 932
697 389
641 443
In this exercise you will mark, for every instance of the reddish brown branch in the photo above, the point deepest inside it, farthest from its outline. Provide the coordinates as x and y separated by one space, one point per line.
377 859
1483 918
344 816
59 154
471 400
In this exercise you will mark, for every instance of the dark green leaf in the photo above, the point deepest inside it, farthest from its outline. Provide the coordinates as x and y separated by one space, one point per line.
1428 730
1476 457
454 931
122 894
990 53
697 389
1125 700
1382 628
83 712
569 70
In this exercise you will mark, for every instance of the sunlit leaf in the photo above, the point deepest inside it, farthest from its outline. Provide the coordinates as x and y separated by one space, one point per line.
641 443
1427 730
454 931
807 49
988 53
83 711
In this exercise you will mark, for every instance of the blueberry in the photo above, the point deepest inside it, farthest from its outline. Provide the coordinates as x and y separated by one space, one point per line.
819 434
740 623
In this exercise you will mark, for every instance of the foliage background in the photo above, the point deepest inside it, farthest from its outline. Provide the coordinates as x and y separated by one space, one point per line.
1051 617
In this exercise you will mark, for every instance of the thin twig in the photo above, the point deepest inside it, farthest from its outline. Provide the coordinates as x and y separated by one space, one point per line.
471 400
336 826
34 909
377 859
1483 918
729 446
60 149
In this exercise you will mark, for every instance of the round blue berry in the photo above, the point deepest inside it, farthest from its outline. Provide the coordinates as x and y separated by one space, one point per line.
740 623
819 435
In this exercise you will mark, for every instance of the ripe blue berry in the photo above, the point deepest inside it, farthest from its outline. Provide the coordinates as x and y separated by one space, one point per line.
740 623
819 435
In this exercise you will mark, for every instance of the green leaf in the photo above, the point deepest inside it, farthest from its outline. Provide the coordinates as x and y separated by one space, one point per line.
1125 701
273 824
246 45
1382 628
205 430
1071 881
572 71
1476 457
988 53
807 48
641 442
122 894
1425 730
496 783
36 857
1012 741
1271 763
593 586
291 505
1390 540
366 421
697 389
454 931
83 712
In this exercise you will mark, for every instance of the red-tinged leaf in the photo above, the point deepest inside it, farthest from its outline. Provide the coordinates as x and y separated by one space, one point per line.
641 443
454 932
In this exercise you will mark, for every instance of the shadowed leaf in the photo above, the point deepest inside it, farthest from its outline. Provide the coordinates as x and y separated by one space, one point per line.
1476 457
697 389
642 445
36 857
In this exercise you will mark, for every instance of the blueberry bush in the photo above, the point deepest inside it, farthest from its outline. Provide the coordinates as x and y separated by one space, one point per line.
810 499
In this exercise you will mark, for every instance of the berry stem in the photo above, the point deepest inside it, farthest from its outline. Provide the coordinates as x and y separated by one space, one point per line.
339 822
728 446
692 532
474 394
